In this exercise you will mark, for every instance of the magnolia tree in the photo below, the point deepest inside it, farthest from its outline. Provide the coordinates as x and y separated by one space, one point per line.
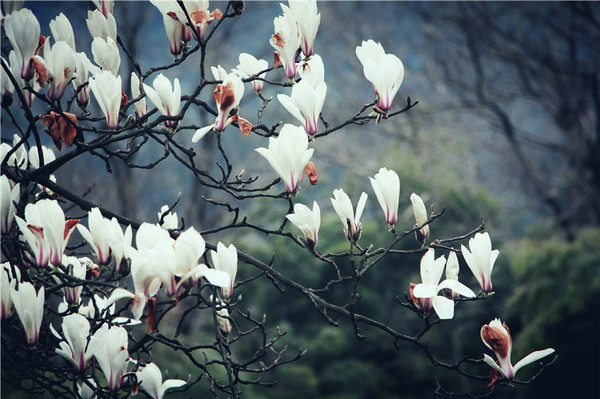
87 319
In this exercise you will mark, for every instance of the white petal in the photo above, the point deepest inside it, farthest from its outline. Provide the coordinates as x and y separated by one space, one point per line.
425 290
494 365
444 307
202 132
532 357
457 287
217 277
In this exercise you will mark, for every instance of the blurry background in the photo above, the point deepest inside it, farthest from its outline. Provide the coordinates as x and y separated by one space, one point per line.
507 129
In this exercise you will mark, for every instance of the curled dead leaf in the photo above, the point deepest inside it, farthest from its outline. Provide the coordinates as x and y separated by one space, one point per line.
311 172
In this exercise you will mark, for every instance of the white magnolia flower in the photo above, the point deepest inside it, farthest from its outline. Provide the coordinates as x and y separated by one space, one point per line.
98 235
23 32
109 347
107 91
496 336
312 70
249 66
62 30
308 221
119 242
286 41
155 257
386 185
308 18
106 55
480 259
46 231
305 103
351 220
75 329
102 25
427 291
288 154
169 221
30 309
189 248
152 265
218 72
61 63
420 217
75 268
165 96
225 259
105 6
227 96
9 282
384 71
8 198
34 158
173 23
150 380
200 15
17 159
141 108
82 62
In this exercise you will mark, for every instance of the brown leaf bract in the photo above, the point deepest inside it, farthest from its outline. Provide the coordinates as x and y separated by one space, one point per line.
41 71
244 125
124 99
276 60
151 316
40 46
60 129
311 172
411 288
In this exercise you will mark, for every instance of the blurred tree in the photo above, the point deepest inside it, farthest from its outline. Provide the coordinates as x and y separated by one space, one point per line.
532 73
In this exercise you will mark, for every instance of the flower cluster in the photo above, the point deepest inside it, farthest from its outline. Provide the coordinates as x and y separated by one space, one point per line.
73 274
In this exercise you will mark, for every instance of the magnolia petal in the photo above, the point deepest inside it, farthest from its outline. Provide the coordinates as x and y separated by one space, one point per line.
125 321
360 207
155 98
443 306
54 332
425 291
289 104
118 293
457 287
202 132
217 277
492 363
532 357
172 383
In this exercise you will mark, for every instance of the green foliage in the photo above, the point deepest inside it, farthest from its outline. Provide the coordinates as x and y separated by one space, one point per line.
555 304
